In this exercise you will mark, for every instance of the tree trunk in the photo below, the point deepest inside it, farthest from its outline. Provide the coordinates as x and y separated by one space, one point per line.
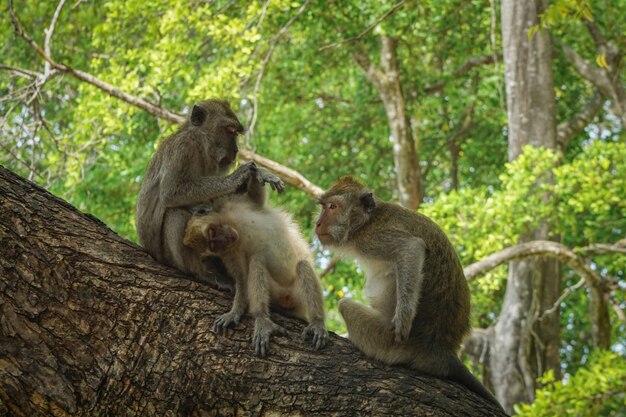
525 347
91 325
386 79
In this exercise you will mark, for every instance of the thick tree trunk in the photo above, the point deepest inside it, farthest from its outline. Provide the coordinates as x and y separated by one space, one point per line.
386 79
525 347
91 325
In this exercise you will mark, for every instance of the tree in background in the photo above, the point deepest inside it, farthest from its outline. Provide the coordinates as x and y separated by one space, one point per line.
408 96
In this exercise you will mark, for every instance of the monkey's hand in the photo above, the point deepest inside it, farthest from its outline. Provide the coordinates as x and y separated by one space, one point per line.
400 327
265 177
264 328
225 321
318 335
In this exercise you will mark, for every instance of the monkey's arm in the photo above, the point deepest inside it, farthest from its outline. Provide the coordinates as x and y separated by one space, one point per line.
176 191
237 310
312 296
409 277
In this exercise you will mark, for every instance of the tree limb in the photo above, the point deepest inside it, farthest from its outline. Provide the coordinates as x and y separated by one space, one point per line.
464 68
289 175
91 325
537 248
566 131
367 29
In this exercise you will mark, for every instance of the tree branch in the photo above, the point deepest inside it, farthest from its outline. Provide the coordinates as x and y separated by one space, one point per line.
289 175
266 60
463 69
537 248
567 130
367 30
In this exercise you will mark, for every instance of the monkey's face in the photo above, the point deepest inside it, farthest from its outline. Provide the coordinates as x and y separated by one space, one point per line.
208 236
346 207
220 237
227 149
221 127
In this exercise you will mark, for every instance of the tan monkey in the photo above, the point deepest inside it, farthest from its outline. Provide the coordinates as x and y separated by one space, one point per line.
419 297
188 169
263 249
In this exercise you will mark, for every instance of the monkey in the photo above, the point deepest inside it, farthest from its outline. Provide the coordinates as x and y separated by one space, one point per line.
419 309
263 249
189 169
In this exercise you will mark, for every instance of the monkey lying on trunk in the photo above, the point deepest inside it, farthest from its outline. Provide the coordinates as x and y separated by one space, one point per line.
419 296
265 253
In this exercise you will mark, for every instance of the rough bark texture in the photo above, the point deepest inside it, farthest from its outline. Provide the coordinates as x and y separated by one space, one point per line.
91 325
524 347
386 79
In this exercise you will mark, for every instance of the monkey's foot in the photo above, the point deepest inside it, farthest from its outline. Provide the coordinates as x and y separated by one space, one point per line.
318 335
223 283
223 322
264 328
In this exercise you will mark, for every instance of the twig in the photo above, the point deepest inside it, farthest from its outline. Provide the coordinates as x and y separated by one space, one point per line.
367 30
268 56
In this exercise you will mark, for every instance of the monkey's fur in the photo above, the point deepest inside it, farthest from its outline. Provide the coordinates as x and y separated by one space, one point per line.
419 297
188 169
263 250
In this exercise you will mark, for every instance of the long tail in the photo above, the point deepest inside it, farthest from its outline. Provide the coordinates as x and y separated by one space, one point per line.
459 373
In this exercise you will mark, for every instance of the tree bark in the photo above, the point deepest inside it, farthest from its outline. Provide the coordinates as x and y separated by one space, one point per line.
92 325
524 347
386 80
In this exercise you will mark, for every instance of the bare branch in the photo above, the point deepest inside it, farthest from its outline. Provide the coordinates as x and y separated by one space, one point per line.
372 72
463 69
266 60
537 248
289 175
49 32
567 130
601 248
21 71
367 29
592 73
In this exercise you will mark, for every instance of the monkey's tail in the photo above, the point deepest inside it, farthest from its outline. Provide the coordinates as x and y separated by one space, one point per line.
459 373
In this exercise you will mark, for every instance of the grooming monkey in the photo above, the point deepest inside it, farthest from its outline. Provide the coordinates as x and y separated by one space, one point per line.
263 250
188 169
419 296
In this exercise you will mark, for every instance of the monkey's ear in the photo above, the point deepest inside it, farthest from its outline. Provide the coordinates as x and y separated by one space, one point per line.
368 203
198 115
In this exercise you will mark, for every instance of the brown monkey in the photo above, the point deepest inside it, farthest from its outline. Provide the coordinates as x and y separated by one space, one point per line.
263 249
419 296
188 169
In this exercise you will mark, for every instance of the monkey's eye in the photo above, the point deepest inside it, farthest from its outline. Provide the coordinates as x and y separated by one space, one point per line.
232 129
332 206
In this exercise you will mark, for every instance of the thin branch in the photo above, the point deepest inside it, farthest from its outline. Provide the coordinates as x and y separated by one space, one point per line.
563 296
537 248
21 71
50 31
566 131
289 175
463 69
266 60
601 248
590 72
331 265
367 30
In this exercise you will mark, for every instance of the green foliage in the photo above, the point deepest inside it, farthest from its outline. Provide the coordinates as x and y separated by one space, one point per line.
318 114
598 389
